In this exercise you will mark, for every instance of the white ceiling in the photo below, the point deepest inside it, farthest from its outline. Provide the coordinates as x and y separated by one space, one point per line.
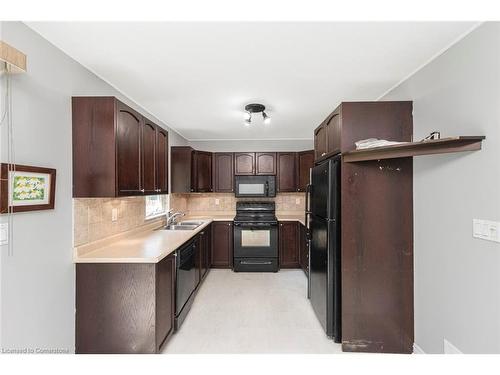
197 77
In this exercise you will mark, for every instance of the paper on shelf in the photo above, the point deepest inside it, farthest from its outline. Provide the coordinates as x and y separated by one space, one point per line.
374 142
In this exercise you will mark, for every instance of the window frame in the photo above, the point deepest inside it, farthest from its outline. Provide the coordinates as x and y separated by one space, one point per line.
165 203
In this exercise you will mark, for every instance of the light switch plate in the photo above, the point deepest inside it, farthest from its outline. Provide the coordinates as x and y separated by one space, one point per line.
486 230
297 200
114 214
217 201
4 233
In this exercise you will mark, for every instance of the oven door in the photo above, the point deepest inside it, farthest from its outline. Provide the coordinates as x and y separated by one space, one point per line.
255 240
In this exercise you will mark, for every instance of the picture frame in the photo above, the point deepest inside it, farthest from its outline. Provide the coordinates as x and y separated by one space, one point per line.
33 188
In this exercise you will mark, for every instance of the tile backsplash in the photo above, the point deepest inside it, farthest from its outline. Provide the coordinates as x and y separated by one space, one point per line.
92 217
226 202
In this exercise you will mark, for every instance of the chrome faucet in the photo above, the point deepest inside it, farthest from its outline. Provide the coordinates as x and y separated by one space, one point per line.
172 217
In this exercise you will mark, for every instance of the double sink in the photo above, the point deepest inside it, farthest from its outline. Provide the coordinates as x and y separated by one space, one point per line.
184 225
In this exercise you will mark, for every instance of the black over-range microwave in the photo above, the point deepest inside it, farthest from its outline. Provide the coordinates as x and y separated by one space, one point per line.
255 186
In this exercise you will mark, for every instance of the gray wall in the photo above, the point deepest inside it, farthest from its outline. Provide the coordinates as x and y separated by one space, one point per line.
38 282
457 277
261 145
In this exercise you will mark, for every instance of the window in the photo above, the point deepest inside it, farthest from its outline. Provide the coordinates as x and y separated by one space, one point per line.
156 205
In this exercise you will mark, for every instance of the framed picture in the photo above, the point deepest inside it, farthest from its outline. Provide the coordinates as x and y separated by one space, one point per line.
26 188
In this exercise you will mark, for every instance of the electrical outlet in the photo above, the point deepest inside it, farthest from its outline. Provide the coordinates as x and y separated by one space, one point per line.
4 233
297 200
217 202
486 230
114 214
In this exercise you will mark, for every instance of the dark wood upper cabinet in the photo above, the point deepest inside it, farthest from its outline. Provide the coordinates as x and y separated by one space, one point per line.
327 136
244 163
320 142
115 150
128 139
305 161
333 134
149 157
223 171
191 170
265 163
162 160
254 163
222 244
287 179
289 244
181 165
202 171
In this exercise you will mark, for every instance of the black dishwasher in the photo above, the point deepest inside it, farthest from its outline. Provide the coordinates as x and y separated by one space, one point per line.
185 281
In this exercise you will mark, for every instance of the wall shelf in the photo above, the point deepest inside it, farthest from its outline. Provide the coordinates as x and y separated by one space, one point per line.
438 146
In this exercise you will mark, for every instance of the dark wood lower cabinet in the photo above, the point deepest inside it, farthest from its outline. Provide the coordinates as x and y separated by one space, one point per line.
289 244
222 244
205 249
124 307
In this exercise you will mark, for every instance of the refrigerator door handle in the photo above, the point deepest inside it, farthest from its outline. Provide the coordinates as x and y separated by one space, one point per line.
308 211
309 269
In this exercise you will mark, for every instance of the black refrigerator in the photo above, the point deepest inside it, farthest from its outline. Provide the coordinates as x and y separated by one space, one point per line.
323 220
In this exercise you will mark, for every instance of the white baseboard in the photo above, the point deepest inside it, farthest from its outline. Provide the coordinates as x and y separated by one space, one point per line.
417 349
449 348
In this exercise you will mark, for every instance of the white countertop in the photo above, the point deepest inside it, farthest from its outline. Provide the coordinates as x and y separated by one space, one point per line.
152 244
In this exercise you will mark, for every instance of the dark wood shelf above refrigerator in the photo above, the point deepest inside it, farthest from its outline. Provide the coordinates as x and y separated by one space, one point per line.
437 146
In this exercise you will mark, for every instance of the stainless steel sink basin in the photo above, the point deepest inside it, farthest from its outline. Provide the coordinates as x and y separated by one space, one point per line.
181 227
190 222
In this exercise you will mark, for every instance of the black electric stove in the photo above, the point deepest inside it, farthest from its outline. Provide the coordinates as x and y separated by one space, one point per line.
255 237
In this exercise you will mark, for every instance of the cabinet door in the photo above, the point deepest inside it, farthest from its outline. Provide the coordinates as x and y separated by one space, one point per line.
203 171
165 308
223 172
265 163
304 249
181 169
161 160
197 259
222 244
289 244
149 157
208 247
305 161
286 171
128 139
333 134
244 163
320 148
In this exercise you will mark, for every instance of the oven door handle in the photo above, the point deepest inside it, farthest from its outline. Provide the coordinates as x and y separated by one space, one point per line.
248 225
255 262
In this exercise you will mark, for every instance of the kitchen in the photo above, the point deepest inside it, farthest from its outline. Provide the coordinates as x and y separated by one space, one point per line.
275 214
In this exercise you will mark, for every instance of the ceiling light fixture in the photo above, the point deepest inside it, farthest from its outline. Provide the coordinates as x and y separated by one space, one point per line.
256 108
